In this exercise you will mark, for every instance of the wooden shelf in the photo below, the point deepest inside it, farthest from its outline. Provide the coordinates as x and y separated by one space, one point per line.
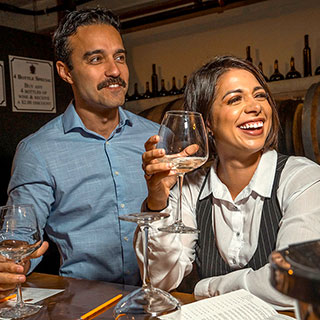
281 90
144 104
293 88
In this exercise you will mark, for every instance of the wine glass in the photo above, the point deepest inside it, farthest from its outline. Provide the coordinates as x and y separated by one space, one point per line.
184 138
19 237
146 302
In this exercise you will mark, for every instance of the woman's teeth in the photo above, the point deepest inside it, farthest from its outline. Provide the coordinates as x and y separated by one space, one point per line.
252 125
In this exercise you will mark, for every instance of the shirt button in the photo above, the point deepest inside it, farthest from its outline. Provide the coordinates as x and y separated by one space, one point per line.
234 261
241 265
116 173
125 238
122 205
238 234
107 142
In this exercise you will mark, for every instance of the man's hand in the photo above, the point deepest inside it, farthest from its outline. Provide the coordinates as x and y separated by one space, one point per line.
12 273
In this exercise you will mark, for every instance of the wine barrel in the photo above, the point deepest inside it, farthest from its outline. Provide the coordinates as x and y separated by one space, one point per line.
286 110
157 112
310 124
296 131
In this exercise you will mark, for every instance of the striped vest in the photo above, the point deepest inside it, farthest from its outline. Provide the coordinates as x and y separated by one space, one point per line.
208 259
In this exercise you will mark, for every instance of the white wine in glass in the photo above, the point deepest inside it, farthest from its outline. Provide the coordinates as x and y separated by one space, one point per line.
20 236
184 138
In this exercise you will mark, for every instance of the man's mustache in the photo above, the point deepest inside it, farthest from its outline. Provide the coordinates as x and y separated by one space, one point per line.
111 81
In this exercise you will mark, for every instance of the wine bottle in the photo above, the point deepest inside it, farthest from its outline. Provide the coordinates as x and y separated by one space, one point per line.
261 69
163 92
136 95
306 57
317 72
248 58
147 94
154 81
293 73
276 76
174 90
181 91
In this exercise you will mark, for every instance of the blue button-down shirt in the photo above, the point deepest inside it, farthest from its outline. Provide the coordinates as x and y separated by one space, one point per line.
80 183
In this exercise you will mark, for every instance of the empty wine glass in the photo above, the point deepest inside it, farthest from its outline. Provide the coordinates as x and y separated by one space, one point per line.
19 237
184 138
146 302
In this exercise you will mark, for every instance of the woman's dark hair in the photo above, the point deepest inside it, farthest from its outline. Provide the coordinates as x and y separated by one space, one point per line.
72 21
200 92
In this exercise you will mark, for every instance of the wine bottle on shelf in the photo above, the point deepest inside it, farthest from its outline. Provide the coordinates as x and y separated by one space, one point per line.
261 70
317 72
276 76
307 71
154 81
163 92
181 91
293 73
136 95
147 94
248 54
174 90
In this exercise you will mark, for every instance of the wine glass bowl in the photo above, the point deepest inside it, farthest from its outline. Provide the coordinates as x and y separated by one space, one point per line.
146 302
184 138
20 236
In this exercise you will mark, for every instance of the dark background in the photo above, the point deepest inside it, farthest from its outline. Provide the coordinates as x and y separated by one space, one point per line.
14 126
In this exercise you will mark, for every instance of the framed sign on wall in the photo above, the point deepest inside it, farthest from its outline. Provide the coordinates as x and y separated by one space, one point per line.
32 85
3 101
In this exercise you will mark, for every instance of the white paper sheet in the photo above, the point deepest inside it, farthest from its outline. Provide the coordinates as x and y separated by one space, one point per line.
236 305
31 295
34 295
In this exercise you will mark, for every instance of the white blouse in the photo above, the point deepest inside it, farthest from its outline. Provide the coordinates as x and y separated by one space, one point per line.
236 227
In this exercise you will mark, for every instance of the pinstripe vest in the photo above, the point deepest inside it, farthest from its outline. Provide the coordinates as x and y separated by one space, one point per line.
208 259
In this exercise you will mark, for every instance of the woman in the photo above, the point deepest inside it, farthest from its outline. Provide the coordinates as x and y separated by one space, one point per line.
249 202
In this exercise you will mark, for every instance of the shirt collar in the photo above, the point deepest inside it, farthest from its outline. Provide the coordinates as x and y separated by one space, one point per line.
261 182
125 118
72 121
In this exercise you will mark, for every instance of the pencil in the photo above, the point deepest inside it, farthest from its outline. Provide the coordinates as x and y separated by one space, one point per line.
97 309
8 298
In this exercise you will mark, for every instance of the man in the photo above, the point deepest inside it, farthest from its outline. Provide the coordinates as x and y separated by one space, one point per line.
82 170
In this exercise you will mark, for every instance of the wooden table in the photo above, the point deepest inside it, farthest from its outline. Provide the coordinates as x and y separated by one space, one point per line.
80 296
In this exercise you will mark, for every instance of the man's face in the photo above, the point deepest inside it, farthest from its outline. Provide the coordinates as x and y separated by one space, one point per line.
100 75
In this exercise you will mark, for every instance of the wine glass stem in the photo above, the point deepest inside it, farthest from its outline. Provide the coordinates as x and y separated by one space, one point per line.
19 303
179 206
146 278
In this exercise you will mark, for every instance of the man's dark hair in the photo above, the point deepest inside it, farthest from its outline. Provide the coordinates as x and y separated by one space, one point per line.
72 21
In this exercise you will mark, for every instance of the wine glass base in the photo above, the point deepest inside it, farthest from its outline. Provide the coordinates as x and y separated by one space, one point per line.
145 303
178 228
19 312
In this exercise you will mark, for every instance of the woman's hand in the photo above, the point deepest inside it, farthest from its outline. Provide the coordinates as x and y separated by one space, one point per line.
159 176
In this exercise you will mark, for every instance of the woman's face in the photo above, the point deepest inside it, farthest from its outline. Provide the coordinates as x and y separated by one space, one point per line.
242 115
